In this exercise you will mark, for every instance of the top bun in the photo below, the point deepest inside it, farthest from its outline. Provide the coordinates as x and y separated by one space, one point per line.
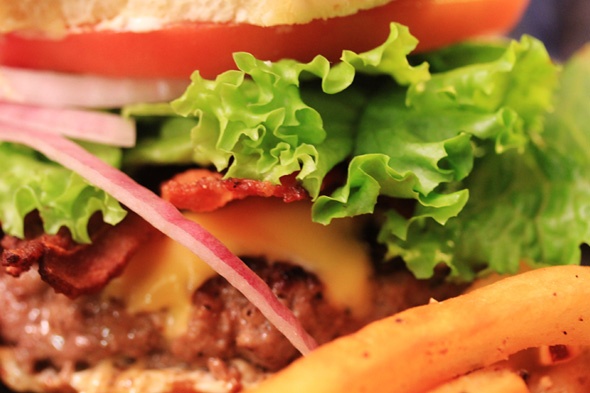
57 17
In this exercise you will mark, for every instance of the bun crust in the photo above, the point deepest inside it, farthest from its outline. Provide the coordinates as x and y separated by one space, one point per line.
108 377
56 17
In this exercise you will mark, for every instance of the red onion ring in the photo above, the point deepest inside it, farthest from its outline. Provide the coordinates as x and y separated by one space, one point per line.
55 89
92 126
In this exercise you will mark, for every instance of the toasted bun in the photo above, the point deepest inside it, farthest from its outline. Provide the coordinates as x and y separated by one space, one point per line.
108 377
59 16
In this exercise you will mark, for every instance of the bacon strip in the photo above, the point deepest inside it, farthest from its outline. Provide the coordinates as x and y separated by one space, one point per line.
74 269
19 255
201 190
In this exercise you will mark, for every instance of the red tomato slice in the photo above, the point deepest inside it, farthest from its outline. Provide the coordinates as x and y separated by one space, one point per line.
179 50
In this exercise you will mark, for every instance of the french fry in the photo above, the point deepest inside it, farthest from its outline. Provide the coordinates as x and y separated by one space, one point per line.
485 381
423 347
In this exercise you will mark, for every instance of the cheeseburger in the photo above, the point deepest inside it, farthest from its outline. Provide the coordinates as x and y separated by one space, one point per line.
195 194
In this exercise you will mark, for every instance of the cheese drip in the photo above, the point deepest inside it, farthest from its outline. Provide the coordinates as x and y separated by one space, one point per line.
163 276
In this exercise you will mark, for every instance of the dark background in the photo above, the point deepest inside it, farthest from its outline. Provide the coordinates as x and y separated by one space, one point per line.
563 25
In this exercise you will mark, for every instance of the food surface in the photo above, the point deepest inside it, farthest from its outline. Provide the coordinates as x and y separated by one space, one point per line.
182 212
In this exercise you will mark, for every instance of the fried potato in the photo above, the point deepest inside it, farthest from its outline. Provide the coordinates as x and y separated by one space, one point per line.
421 348
485 381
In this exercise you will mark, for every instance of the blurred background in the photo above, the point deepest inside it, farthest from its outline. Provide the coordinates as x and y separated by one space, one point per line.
563 25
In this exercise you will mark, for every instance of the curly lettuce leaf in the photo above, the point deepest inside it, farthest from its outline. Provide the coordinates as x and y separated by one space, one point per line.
257 122
171 144
421 143
30 182
394 159
462 136
530 205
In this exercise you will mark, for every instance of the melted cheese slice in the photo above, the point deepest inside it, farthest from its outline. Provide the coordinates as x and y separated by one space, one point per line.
163 276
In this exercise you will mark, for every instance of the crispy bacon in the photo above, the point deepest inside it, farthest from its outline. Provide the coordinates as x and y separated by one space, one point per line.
75 269
19 255
201 190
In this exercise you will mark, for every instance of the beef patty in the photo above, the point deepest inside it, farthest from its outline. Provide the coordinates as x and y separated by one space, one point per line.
47 330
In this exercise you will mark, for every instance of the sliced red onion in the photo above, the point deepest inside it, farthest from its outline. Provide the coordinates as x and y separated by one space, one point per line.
87 91
166 218
92 126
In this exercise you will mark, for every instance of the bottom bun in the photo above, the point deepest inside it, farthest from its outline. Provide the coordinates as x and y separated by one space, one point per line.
109 377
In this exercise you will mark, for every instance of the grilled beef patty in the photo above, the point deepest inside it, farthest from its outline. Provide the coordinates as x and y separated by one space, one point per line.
48 330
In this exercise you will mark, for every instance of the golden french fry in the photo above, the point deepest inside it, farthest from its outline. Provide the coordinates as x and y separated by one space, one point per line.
423 347
485 381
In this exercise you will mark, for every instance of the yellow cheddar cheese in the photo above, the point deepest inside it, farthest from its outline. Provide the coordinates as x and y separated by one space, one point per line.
163 276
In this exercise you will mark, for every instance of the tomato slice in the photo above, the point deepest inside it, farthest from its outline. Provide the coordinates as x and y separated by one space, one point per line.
178 50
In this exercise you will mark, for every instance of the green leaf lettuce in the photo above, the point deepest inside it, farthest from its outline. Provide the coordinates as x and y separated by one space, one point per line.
29 182
457 138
